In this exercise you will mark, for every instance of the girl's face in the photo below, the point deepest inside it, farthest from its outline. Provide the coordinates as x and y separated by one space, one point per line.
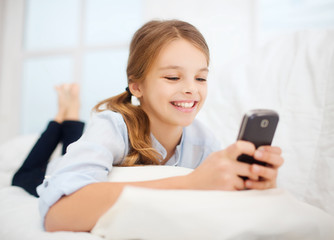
175 88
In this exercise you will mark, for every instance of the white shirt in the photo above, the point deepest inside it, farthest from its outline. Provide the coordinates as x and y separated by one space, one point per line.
104 144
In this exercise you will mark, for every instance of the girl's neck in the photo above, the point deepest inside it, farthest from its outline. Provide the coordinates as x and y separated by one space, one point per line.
168 137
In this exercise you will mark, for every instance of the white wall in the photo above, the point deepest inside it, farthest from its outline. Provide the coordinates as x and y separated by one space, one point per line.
10 65
227 25
2 6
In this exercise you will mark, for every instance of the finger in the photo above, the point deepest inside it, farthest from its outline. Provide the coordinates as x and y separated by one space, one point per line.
245 170
272 159
264 172
272 149
239 184
254 177
259 185
240 147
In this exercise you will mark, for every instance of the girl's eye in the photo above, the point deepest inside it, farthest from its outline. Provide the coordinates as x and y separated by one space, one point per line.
172 78
201 79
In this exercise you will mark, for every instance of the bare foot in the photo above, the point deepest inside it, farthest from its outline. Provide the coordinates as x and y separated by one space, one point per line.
73 107
62 103
68 102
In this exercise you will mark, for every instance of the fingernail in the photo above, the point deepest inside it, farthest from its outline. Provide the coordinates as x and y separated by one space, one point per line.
248 184
256 169
258 154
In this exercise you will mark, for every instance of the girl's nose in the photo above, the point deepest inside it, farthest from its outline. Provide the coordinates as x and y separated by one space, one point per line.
190 86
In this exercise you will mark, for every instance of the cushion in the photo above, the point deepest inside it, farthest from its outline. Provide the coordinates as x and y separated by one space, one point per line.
142 213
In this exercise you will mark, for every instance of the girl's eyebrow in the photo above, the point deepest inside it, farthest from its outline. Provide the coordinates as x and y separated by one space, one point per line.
205 69
170 67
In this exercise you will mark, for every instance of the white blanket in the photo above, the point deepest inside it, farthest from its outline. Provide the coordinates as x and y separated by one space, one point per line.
20 219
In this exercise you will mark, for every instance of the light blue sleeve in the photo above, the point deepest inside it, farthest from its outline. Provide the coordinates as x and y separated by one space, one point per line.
89 160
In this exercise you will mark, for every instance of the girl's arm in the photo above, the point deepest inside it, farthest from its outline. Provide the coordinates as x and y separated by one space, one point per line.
81 210
220 171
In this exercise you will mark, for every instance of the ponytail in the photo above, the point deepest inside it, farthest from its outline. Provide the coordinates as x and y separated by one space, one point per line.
138 125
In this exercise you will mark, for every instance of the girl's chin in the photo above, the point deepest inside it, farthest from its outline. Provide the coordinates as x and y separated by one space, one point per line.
186 123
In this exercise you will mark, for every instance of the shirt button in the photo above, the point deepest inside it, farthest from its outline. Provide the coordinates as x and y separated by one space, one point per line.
46 184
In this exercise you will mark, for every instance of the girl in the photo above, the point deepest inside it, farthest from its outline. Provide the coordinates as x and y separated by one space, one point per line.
167 72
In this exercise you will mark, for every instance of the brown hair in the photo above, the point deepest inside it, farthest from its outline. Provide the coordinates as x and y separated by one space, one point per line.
145 46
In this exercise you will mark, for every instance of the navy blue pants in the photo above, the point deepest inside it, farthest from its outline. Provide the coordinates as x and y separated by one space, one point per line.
32 171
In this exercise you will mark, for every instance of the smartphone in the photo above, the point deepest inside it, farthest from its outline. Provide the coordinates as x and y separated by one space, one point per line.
258 126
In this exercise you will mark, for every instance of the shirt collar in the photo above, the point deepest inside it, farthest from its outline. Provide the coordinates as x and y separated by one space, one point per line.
174 160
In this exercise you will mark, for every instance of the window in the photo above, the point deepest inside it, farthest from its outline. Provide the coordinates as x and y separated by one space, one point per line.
84 41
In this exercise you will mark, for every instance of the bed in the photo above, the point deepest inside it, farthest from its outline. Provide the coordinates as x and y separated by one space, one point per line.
293 75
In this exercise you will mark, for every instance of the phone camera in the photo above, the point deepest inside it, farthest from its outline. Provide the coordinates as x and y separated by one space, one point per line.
264 123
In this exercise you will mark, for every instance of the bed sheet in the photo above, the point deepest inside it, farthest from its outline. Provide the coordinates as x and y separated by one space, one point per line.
19 214
20 219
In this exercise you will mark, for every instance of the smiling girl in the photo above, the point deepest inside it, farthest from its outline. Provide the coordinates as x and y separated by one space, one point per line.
167 71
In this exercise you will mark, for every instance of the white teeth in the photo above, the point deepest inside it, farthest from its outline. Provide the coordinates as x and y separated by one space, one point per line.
184 104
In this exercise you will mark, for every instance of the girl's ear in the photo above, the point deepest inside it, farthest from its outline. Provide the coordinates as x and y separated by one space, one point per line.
135 89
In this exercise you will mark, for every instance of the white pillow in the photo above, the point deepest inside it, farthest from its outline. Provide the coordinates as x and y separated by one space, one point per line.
143 213
144 173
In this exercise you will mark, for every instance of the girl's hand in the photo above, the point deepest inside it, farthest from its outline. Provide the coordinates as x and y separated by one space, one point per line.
222 171
267 174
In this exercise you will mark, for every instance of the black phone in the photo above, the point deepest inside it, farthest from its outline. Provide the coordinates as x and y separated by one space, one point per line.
258 126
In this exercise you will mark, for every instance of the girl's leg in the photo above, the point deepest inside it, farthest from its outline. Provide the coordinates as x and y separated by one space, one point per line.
32 171
71 132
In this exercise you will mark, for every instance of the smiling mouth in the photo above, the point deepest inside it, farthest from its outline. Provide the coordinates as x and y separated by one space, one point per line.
185 105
